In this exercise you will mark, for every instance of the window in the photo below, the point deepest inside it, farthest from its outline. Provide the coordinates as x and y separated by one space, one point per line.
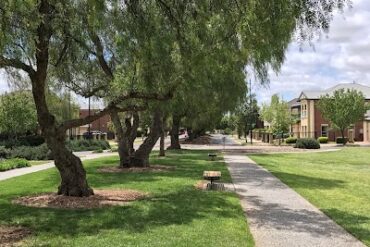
324 130
304 111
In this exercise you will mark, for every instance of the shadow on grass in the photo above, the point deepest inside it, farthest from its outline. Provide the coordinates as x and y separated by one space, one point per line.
308 182
356 224
173 199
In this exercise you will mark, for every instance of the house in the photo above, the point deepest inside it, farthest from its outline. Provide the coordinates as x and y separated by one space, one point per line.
312 124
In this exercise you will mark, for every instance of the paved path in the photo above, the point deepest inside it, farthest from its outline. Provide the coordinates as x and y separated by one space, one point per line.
36 168
277 215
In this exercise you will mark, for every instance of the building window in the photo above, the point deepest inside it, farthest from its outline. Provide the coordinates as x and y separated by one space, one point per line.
324 130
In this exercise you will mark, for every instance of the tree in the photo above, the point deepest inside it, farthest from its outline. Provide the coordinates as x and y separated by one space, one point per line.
17 114
246 115
277 114
343 108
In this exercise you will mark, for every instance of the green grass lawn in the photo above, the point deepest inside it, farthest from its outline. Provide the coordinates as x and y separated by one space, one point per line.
176 214
338 183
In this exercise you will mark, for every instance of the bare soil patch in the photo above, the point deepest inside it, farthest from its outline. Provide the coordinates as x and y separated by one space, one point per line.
10 236
117 169
101 198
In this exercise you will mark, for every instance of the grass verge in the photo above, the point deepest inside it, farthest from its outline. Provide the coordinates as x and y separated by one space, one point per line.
336 182
176 214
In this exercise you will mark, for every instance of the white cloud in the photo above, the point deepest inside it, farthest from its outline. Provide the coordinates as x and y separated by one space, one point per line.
341 55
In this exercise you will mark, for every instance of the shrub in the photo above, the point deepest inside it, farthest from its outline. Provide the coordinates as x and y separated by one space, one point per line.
13 163
307 143
323 139
98 151
41 152
341 140
30 141
87 145
4 152
291 140
227 131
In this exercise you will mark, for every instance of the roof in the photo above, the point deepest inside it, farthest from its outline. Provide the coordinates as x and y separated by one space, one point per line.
294 103
351 86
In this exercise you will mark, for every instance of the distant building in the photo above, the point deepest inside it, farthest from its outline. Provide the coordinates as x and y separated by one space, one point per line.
310 122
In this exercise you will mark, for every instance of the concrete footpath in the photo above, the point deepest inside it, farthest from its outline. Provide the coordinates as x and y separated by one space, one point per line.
36 168
277 215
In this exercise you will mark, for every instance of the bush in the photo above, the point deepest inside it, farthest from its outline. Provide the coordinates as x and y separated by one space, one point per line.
13 163
87 145
41 152
98 151
4 152
323 139
291 140
307 143
341 140
29 141
228 131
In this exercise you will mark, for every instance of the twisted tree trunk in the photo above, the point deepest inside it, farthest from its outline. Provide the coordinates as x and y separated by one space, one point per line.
141 155
126 136
175 142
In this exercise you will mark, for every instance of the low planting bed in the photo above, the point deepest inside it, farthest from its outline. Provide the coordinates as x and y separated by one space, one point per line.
10 164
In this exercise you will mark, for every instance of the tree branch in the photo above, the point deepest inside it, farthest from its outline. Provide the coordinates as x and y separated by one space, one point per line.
89 119
17 64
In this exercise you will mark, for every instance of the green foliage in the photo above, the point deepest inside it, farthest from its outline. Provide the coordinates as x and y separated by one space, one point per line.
277 114
307 143
87 145
291 140
41 152
17 113
31 141
12 164
341 140
4 152
323 139
246 114
343 108
98 151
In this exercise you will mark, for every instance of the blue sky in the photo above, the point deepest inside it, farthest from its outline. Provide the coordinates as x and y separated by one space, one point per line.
341 55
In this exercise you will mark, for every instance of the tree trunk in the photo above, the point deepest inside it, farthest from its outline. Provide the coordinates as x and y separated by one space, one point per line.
162 151
126 136
141 155
73 175
175 142
343 139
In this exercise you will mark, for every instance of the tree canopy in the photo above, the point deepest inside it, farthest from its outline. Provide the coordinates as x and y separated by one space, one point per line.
277 114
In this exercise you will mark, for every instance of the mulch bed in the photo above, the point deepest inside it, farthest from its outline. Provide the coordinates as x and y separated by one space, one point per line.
101 198
117 169
10 236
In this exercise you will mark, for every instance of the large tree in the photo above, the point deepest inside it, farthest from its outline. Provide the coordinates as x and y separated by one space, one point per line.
69 42
343 108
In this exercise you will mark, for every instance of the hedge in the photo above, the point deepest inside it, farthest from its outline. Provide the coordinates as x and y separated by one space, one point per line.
307 143
41 152
341 140
291 140
13 163
323 139
87 145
